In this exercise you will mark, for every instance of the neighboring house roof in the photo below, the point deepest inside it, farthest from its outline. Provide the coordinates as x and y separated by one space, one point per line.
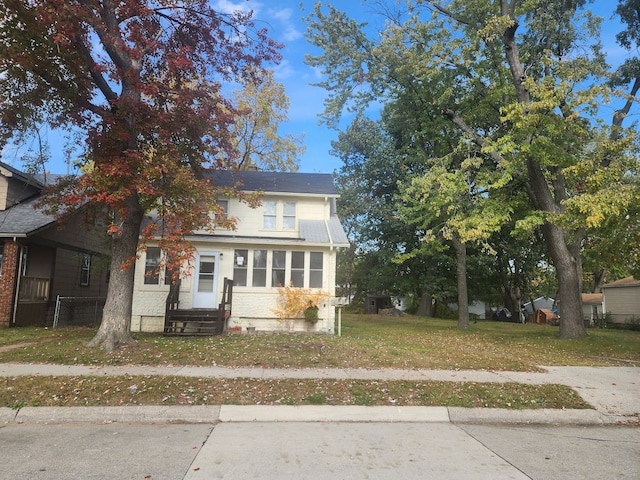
23 219
9 171
275 182
625 282
592 298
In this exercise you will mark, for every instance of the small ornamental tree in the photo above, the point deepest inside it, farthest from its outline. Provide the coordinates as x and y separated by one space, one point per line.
143 80
296 302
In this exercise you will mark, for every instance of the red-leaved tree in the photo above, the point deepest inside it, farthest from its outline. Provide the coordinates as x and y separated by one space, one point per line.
144 81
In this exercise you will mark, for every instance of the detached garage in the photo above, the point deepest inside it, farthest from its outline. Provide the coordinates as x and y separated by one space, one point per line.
622 301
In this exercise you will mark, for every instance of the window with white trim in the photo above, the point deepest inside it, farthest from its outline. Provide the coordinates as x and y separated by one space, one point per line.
289 216
152 266
278 268
270 210
224 210
240 260
259 268
316 260
297 269
85 270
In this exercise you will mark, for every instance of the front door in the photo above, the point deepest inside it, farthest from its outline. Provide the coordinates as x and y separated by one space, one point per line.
205 293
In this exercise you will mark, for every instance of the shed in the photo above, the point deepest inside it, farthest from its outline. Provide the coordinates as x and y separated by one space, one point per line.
545 315
374 303
591 307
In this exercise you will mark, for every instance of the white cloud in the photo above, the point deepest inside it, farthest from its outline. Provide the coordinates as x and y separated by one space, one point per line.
290 32
227 6
284 70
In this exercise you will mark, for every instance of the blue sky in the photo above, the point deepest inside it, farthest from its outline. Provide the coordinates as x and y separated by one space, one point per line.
284 18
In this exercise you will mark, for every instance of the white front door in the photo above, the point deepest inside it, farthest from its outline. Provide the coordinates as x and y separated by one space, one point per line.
205 293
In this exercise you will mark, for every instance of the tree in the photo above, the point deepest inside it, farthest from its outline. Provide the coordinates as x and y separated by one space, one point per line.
263 106
368 182
522 82
143 80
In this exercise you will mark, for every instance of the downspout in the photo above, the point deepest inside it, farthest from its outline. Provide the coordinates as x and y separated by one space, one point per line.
16 293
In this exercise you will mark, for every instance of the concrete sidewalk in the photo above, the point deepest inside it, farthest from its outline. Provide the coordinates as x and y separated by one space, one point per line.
614 392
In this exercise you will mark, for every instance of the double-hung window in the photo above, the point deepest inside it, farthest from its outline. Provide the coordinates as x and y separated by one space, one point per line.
289 216
259 268
297 269
85 270
278 268
315 269
270 214
152 266
223 212
240 259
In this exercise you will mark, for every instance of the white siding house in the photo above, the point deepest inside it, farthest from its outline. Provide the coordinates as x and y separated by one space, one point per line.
622 301
292 238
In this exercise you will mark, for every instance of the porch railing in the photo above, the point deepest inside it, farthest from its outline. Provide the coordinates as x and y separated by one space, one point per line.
34 289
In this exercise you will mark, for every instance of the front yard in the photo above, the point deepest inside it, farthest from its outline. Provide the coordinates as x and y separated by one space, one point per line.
367 341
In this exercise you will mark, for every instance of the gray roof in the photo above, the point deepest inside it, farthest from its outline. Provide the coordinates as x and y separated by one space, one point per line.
321 232
276 182
23 219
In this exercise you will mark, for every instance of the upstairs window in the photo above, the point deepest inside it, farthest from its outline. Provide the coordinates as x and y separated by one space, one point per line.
289 216
223 212
269 219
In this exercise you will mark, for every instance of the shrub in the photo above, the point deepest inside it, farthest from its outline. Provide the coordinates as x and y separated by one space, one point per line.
296 302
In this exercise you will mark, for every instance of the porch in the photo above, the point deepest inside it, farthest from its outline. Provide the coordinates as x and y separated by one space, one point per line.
33 301
197 321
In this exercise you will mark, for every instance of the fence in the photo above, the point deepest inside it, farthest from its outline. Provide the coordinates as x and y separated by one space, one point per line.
86 311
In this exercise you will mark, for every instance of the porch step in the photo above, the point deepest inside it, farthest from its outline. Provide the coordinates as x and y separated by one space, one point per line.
194 322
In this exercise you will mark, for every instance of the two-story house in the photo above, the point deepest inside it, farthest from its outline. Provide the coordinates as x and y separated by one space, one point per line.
291 239
41 258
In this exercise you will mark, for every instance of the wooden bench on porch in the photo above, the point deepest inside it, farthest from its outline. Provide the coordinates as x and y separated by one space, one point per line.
197 321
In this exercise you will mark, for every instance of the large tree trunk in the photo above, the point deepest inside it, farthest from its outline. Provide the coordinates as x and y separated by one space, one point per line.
461 274
569 275
425 306
116 318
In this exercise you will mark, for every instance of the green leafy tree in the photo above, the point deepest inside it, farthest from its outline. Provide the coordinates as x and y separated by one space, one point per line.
263 106
143 80
521 81
368 183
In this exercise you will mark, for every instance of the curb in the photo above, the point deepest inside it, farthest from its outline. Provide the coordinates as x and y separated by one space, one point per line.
129 414
304 413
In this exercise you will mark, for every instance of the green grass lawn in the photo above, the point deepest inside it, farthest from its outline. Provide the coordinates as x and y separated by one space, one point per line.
367 341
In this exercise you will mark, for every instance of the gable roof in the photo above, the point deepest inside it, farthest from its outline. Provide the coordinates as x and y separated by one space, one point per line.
23 219
275 182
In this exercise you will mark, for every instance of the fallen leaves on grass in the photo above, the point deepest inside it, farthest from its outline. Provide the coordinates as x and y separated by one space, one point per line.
167 390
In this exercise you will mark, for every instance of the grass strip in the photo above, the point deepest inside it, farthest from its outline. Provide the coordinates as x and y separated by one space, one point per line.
169 390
